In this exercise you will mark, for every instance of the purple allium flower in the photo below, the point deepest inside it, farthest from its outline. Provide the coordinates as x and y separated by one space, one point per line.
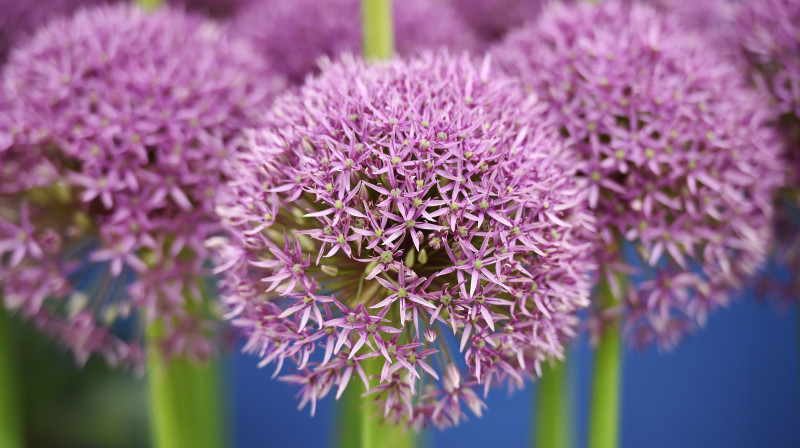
491 19
294 34
22 17
768 41
406 211
680 163
116 121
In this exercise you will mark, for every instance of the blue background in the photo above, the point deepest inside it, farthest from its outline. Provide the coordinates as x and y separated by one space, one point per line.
734 383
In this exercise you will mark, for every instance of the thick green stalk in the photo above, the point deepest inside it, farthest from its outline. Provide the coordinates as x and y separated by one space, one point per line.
604 421
150 4
10 424
185 402
552 416
378 35
360 421
361 424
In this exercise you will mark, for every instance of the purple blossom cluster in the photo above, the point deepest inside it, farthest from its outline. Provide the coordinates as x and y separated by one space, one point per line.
18 18
680 162
294 34
114 125
768 42
421 215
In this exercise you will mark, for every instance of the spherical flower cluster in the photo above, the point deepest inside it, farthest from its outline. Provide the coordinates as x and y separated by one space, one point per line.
115 124
491 19
769 43
403 213
294 34
680 163
19 18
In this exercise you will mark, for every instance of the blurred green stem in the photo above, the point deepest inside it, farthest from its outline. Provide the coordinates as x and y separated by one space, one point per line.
150 4
552 417
604 411
10 424
185 400
378 35
361 424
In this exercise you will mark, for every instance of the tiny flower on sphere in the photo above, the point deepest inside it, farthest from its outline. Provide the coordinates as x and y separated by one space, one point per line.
443 198
112 132
21 18
294 34
680 162
767 41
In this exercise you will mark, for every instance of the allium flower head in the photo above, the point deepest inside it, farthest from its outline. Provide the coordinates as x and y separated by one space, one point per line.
769 40
19 18
294 34
116 122
422 213
769 43
679 161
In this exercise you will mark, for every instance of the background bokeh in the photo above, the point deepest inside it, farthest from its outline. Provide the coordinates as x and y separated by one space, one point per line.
735 383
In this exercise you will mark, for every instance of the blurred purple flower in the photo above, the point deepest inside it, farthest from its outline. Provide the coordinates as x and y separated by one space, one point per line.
388 205
220 9
111 139
19 18
680 162
492 19
294 34
768 41
713 18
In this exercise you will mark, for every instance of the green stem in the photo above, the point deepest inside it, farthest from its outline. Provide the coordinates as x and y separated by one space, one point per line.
378 35
552 417
361 424
360 418
149 4
10 424
604 419
185 399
